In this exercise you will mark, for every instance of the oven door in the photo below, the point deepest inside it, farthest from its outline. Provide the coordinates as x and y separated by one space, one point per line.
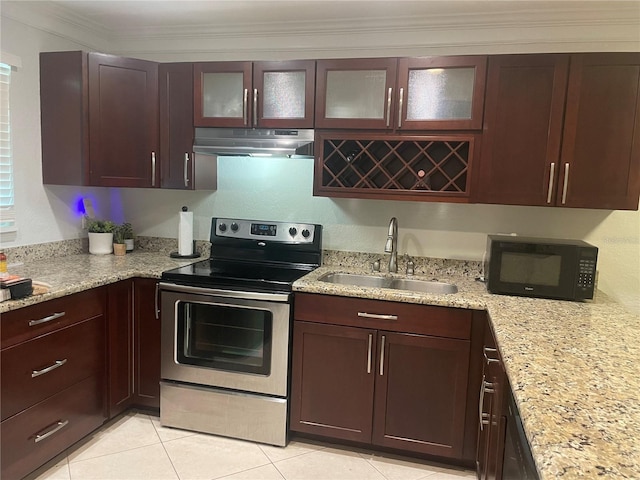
225 339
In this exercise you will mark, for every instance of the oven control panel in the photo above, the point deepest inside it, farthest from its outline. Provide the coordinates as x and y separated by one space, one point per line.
261 230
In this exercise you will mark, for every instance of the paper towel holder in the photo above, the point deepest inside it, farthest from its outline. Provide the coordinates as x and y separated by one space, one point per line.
195 253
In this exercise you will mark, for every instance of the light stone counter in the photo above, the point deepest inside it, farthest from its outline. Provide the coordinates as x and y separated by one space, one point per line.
75 273
574 368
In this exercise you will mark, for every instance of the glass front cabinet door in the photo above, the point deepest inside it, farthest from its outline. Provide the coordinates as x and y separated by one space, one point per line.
252 95
440 93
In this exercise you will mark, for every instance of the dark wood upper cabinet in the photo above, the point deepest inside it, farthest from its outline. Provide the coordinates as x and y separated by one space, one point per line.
522 129
562 130
600 159
355 93
251 95
99 118
429 93
123 121
175 91
440 93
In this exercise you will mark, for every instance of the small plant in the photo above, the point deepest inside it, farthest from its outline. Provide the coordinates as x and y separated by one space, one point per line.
100 226
127 230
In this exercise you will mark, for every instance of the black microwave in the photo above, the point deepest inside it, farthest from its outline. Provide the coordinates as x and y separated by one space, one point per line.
540 267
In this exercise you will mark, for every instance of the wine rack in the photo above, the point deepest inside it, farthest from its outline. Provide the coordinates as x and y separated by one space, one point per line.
397 166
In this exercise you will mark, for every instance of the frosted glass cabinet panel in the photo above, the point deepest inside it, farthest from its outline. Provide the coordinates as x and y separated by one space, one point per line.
441 93
253 95
355 93
221 94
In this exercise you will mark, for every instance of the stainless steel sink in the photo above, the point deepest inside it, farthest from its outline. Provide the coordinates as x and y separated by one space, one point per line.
408 284
356 280
423 286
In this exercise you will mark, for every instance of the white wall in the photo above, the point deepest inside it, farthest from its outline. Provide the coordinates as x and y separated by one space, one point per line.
281 189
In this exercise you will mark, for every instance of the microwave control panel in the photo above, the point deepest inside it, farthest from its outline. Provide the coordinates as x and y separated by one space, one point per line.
586 273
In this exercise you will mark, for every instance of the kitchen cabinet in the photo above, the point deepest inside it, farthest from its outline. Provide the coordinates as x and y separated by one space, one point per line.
99 120
491 417
120 337
363 370
134 345
430 93
53 382
394 167
254 94
146 343
562 130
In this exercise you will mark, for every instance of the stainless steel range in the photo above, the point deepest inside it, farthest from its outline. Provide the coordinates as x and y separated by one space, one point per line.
226 328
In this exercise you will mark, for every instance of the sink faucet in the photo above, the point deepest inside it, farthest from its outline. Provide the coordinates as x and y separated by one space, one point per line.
392 245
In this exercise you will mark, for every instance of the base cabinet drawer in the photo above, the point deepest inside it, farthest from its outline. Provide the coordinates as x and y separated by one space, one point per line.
44 366
39 433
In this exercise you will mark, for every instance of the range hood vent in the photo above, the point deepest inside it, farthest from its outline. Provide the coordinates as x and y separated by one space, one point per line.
254 143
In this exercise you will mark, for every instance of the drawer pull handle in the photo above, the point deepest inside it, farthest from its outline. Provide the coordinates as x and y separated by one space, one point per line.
59 425
47 319
377 315
58 364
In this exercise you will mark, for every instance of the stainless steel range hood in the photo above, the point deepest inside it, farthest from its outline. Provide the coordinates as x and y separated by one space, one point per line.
255 143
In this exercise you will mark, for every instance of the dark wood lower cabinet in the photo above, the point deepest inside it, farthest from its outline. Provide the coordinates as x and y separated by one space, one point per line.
421 390
146 344
332 393
405 391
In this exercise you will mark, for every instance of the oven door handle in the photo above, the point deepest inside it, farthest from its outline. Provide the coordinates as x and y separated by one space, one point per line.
241 294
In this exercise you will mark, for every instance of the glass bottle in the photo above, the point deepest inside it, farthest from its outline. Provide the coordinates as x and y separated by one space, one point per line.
3 264
422 183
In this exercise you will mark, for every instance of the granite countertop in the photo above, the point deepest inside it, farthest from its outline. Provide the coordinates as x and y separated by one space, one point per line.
75 273
574 369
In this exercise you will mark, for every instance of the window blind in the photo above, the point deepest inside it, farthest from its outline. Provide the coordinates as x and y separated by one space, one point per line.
7 213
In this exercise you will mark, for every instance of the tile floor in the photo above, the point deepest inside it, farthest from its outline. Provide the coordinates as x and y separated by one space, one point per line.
135 446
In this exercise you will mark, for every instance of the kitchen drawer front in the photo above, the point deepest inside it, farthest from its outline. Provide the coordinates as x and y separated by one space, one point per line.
383 315
38 434
29 322
44 366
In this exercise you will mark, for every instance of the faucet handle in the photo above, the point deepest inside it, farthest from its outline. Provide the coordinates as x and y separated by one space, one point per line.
375 266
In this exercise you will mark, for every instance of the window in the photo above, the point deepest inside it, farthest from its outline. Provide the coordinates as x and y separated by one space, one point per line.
7 213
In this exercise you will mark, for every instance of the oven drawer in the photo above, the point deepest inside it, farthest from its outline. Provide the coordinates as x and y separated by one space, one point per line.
44 366
383 315
39 433
29 322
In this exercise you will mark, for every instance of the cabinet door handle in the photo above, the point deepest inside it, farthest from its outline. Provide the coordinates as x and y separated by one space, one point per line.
244 106
47 319
382 355
566 183
369 353
389 92
552 174
255 107
156 301
59 425
57 364
485 387
487 350
186 169
153 169
400 102
378 316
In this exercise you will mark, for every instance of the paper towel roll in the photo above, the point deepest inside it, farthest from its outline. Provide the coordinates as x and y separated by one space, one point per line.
185 233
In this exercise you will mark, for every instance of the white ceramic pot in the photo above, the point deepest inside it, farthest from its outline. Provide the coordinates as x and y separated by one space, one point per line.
100 243
129 243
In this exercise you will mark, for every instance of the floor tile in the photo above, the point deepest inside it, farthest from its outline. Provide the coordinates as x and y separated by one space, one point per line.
130 431
326 464
56 472
266 472
400 468
293 449
143 463
207 456
169 433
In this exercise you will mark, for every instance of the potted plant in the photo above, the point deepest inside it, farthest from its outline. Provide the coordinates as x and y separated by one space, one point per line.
119 247
127 232
100 236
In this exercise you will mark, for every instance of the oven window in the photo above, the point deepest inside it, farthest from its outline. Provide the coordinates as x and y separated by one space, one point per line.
531 268
224 337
